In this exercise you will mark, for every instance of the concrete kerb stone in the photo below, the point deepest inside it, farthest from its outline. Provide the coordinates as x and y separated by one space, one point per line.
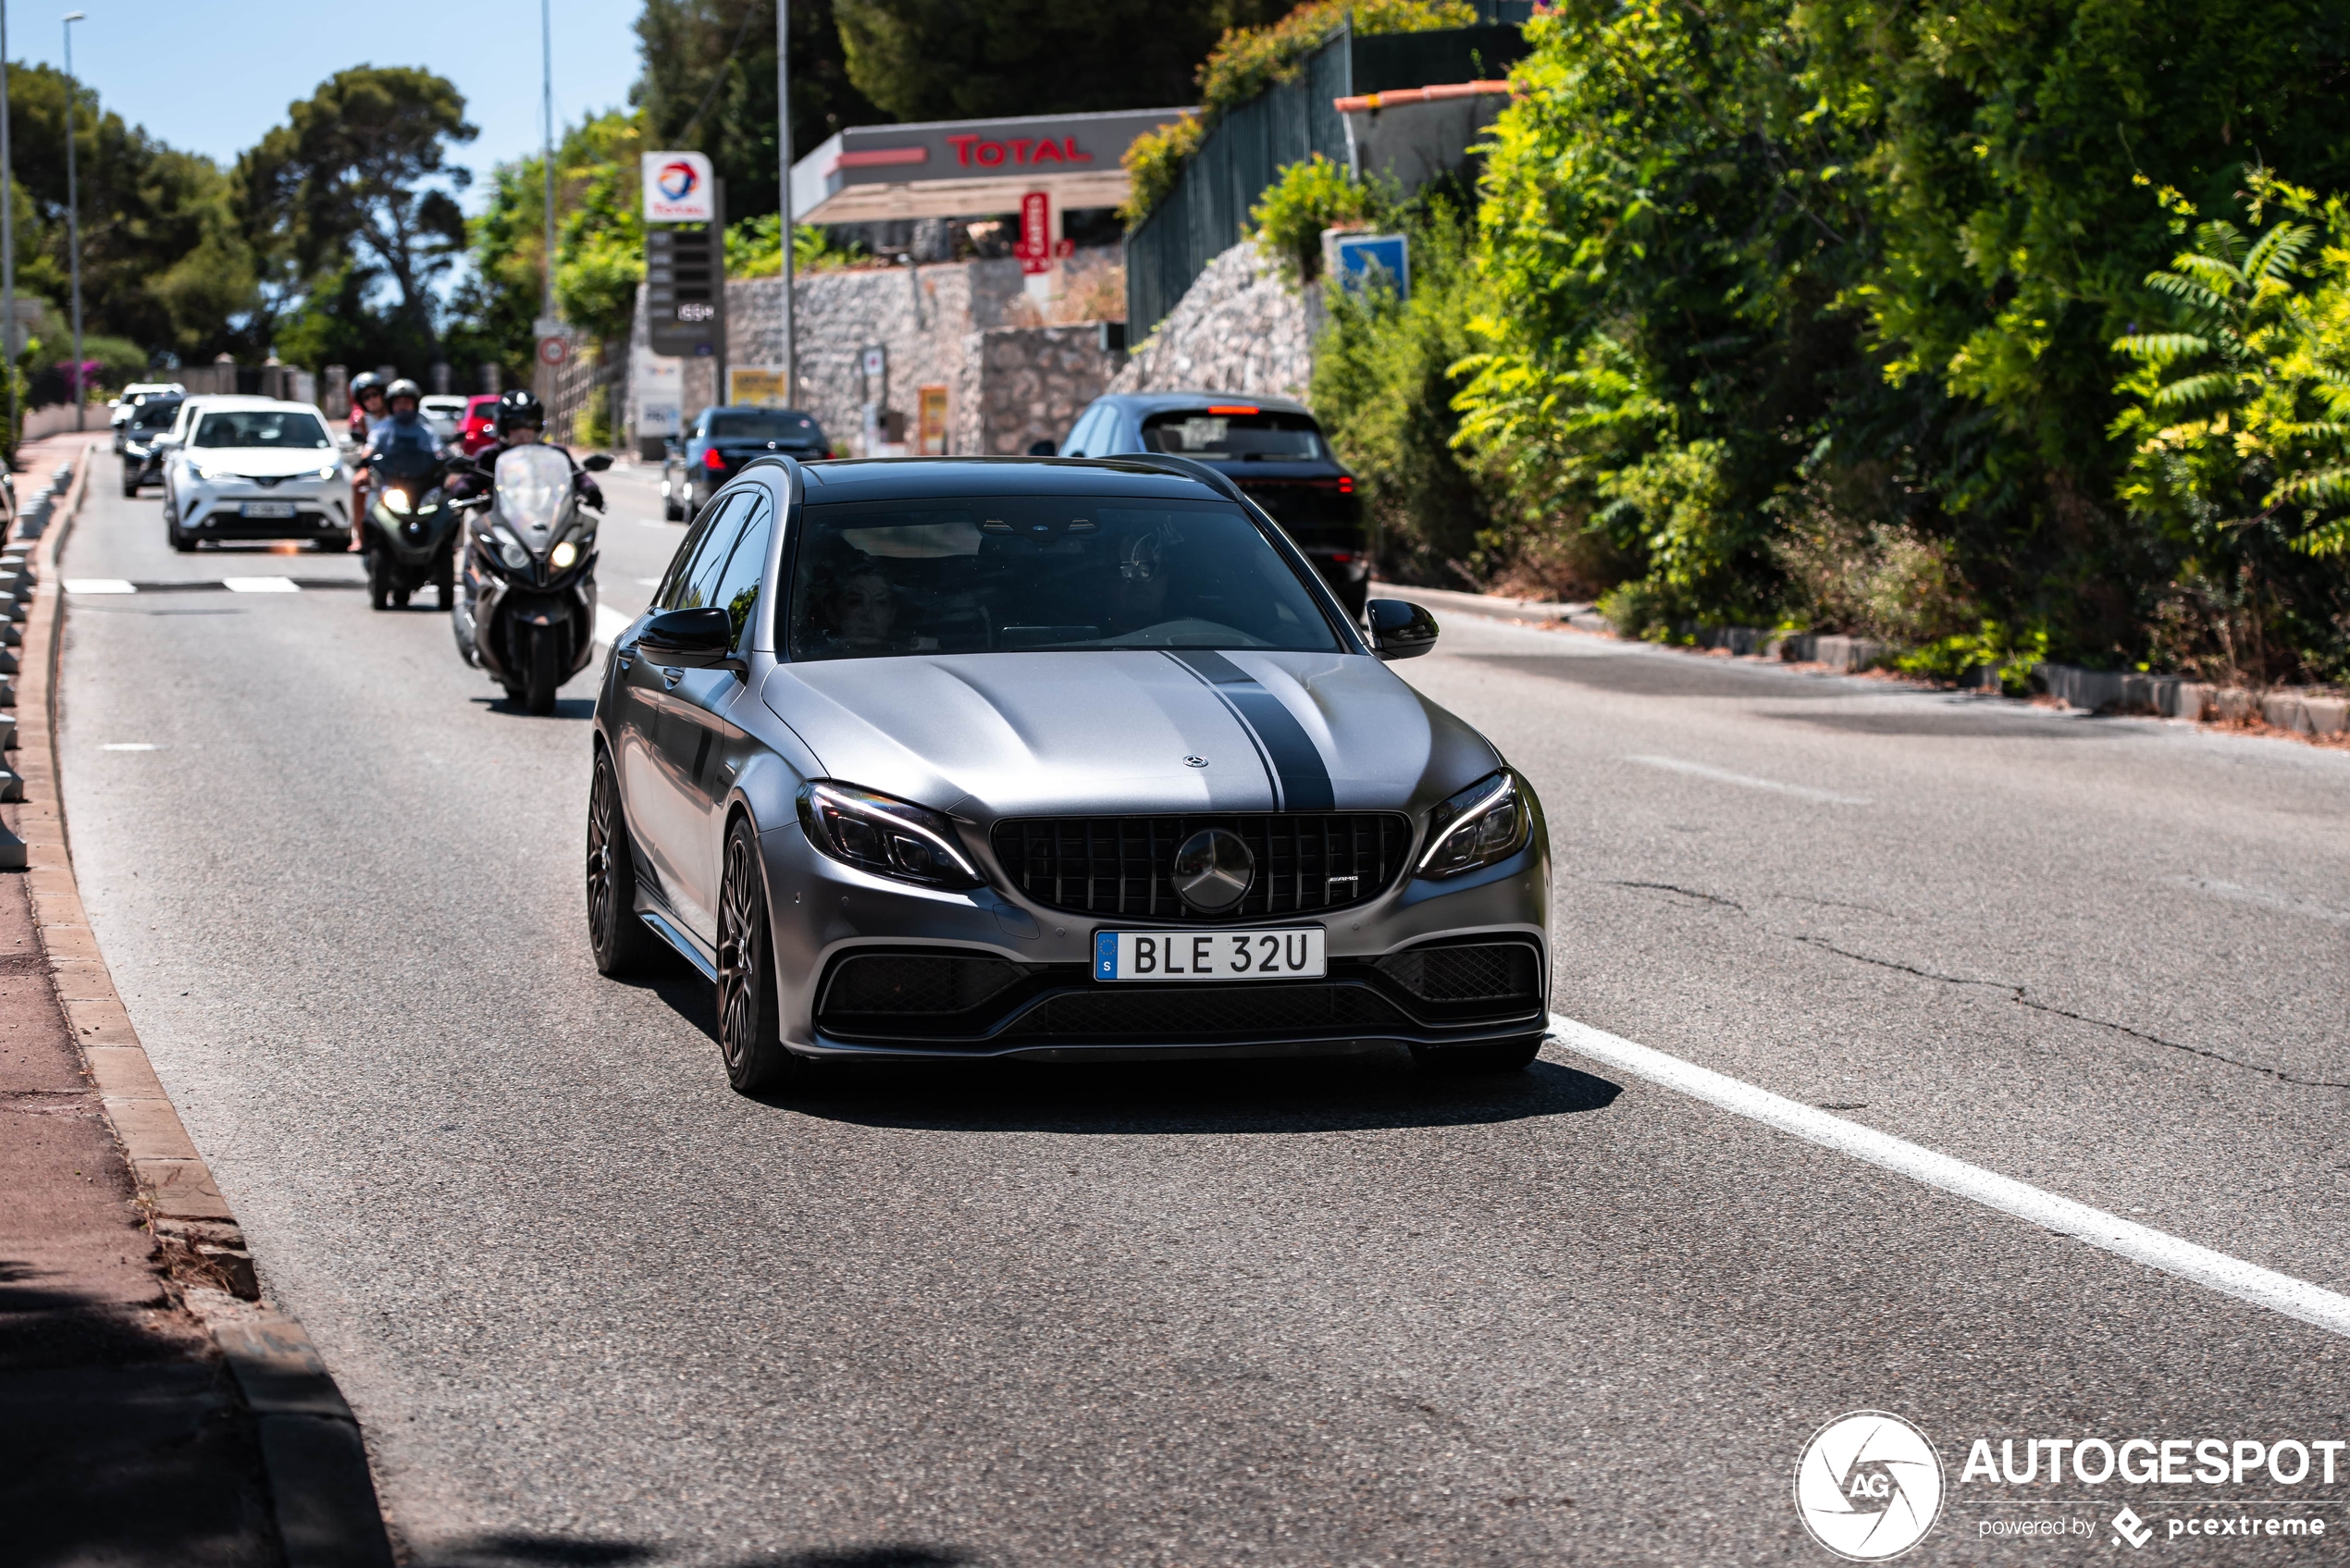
322 1492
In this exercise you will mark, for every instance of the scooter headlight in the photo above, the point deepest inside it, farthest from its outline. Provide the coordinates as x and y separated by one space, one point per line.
396 502
563 555
512 552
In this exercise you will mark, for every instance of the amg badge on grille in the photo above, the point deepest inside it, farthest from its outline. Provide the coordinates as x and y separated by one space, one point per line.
1213 871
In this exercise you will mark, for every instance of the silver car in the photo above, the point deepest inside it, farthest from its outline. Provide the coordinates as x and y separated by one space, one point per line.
1052 758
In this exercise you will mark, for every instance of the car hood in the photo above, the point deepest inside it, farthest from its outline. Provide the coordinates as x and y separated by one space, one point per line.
267 462
997 734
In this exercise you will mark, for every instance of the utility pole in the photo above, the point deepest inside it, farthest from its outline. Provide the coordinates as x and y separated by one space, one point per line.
783 145
73 224
7 239
547 106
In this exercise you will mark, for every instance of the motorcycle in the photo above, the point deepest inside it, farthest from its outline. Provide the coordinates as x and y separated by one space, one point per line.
527 612
410 536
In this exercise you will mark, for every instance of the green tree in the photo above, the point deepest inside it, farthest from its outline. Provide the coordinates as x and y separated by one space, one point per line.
708 84
163 262
949 60
1998 140
360 172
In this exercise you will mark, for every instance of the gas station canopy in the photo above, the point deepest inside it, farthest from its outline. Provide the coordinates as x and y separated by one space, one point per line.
967 169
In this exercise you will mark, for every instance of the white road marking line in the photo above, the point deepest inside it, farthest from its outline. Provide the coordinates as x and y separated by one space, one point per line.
2236 893
100 586
131 746
611 622
261 584
2156 1249
1747 780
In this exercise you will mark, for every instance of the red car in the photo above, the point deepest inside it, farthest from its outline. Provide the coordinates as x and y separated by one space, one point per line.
479 427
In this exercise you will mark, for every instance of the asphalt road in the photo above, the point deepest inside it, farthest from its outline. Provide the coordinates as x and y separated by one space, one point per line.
591 1307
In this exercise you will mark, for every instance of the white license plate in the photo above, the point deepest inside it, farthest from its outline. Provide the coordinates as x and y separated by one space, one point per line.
268 509
1197 954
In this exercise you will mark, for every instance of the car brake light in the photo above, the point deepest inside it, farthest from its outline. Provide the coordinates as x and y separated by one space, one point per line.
1230 408
1345 486
1340 556
713 459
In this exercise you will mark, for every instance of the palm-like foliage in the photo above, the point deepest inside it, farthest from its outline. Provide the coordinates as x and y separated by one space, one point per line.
2239 415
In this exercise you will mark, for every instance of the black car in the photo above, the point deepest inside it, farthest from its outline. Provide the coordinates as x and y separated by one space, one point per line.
141 462
1270 447
721 440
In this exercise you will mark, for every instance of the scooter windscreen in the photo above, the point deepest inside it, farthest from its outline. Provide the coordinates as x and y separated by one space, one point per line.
533 484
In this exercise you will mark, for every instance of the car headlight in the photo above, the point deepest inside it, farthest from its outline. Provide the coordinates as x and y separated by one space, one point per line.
563 555
1485 822
327 473
890 838
211 474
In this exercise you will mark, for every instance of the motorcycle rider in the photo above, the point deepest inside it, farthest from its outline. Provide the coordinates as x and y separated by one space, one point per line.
367 412
522 421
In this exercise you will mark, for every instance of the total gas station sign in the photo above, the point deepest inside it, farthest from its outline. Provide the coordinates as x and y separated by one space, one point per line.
679 188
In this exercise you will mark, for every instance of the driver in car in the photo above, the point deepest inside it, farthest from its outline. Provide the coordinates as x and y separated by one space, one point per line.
860 611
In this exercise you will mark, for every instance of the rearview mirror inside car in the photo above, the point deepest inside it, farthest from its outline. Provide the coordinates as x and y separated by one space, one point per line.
1400 629
695 638
596 462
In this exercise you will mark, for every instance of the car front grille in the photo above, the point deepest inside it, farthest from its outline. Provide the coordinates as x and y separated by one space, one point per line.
1307 863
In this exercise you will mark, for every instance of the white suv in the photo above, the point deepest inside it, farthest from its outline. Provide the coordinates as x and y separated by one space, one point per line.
255 468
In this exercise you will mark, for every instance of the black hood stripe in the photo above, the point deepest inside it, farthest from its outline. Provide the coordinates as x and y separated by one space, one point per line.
1301 779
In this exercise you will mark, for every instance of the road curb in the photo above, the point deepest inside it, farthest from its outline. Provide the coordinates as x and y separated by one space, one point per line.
321 1491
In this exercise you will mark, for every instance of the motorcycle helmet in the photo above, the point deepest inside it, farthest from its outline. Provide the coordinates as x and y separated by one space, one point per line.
366 381
403 387
518 408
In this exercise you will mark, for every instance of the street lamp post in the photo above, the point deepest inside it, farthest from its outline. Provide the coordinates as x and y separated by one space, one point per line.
73 227
783 146
547 154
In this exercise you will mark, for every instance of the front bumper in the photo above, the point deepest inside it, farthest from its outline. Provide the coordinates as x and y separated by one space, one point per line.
824 913
321 509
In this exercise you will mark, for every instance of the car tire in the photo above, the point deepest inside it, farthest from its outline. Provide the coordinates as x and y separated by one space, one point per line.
179 537
749 1034
618 939
333 543
543 672
1468 1061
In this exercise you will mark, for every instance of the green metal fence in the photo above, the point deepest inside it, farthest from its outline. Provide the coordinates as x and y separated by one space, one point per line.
1288 123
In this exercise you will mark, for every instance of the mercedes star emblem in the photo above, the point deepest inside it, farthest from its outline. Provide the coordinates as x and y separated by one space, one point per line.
1214 871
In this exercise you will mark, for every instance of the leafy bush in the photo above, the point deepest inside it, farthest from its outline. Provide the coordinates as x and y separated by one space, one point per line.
1248 60
2237 422
1287 223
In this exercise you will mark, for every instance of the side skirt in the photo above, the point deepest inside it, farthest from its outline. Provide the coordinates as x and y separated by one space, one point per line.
687 948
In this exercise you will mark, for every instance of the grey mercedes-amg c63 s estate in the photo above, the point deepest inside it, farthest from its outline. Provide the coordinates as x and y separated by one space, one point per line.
1057 758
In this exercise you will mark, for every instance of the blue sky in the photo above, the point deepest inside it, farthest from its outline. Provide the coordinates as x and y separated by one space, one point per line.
211 76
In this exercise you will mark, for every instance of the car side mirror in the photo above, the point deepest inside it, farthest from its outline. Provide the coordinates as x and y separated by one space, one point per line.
596 462
694 638
1400 629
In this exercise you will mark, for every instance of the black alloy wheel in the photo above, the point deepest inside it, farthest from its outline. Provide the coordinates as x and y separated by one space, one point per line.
617 937
1464 1061
749 1036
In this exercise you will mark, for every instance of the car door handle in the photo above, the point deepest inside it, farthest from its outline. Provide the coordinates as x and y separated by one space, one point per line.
669 679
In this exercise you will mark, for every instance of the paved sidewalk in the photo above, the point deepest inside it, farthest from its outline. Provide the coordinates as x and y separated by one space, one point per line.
122 1437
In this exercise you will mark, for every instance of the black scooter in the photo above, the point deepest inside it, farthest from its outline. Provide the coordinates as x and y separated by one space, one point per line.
411 538
527 613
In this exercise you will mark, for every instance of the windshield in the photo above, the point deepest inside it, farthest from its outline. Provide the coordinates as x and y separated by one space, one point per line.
1235 434
291 430
1020 573
155 416
533 483
780 425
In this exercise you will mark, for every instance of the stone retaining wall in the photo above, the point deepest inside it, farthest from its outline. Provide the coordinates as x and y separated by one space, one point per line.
1239 328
